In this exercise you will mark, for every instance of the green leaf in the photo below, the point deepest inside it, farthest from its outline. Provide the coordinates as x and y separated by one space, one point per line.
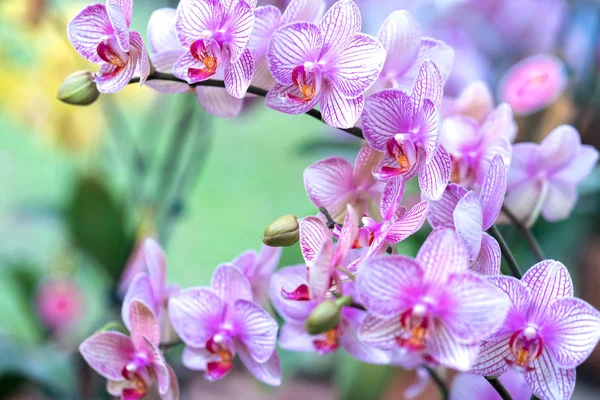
358 381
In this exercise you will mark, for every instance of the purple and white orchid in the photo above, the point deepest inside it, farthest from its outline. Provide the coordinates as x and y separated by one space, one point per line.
431 306
221 321
471 214
406 127
332 64
100 33
543 178
546 334
475 101
258 268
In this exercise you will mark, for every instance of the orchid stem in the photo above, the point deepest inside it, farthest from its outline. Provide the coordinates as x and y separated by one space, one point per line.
534 245
330 222
161 76
445 395
499 388
506 253
169 345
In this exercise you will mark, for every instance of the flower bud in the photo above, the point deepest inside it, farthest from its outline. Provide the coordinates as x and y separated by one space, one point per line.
78 89
324 317
284 231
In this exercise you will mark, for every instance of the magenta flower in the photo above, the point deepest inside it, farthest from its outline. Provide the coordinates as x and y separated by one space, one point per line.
470 386
221 321
332 183
400 35
267 20
59 304
132 364
215 34
474 101
431 306
533 84
101 35
543 178
332 64
471 214
406 127
258 268
546 334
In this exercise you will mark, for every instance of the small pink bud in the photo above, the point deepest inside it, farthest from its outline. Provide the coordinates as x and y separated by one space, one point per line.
59 303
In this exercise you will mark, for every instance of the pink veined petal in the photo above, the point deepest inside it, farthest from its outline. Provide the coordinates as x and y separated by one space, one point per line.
492 192
347 236
173 391
400 35
293 45
392 195
268 372
143 62
266 20
118 22
379 332
447 350
350 342
246 262
159 366
358 65
468 217
262 76
437 51
230 284
238 75
196 314
387 284
196 358
219 102
194 17
339 111
441 212
87 30
107 353
320 270
313 233
548 281
498 147
112 80
329 183
267 261
548 381
338 24
559 148
492 357
522 164
288 279
441 255
580 167
162 34
435 174
429 84
277 99
141 291
293 337
256 329
156 263
574 331
303 10
520 300
240 22
144 325
489 259
386 113
408 224
560 201
427 121
366 160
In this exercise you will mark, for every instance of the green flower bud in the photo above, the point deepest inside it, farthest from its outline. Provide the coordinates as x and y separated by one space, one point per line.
324 317
284 231
78 89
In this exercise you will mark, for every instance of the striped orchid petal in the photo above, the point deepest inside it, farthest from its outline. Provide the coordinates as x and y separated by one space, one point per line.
468 217
400 35
256 329
88 29
238 74
143 62
437 51
313 233
435 174
492 192
339 24
429 84
341 112
283 284
441 212
119 23
107 353
493 353
303 10
391 197
240 22
266 21
548 281
230 284
489 259
320 271
112 79
380 332
219 102
408 224
268 372
386 113
548 381
446 349
164 62
194 17
441 255
162 34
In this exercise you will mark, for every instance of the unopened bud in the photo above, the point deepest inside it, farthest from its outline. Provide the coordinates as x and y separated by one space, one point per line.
78 89
324 317
284 231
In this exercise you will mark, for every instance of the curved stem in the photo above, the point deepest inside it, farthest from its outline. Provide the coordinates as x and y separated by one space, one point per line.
534 245
169 345
161 76
444 393
499 388
506 253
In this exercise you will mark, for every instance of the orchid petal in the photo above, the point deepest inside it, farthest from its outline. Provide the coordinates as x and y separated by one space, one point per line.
468 217
448 351
347 236
162 34
88 29
196 358
144 325
256 329
458 132
524 200
303 10
520 299
352 344
392 195
173 390
339 24
408 224
164 62
246 262
339 111
522 163
119 24
268 372
293 337
320 271
143 63
580 167
559 148
230 284
441 212
156 263
141 291
429 84
107 353
400 35
548 381
548 281
492 192
442 255
489 259
475 101
194 17
238 74
313 232
280 98
287 280
366 159
437 51
159 366
380 332
219 102
241 20
435 175
266 20
492 357
560 201
386 113
110 79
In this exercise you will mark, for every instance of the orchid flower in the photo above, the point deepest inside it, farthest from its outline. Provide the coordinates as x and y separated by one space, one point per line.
543 178
215 34
60 304
258 268
546 334
332 64
332 183
100 33
431 306
132 364
267 20
217 323
474 101
400 35
406 127
471 214
471 386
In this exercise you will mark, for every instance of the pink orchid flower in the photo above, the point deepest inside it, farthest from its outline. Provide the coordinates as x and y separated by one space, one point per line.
406 127
60 304
471 214
546 334
474 101
267 20
215 34
258 268
533 84
332 64
221 321
543 178
431 306
100 33
334 182
471 386
400 35
132 364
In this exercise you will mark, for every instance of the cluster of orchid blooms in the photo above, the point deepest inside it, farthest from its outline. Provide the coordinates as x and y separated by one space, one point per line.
450 307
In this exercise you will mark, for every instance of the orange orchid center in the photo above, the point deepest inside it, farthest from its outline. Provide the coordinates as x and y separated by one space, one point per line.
110 56
329 343
415 328
305 81
526 345
207 52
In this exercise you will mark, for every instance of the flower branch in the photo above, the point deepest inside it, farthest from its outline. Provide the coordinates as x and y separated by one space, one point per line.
506 252
534 245
495 382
